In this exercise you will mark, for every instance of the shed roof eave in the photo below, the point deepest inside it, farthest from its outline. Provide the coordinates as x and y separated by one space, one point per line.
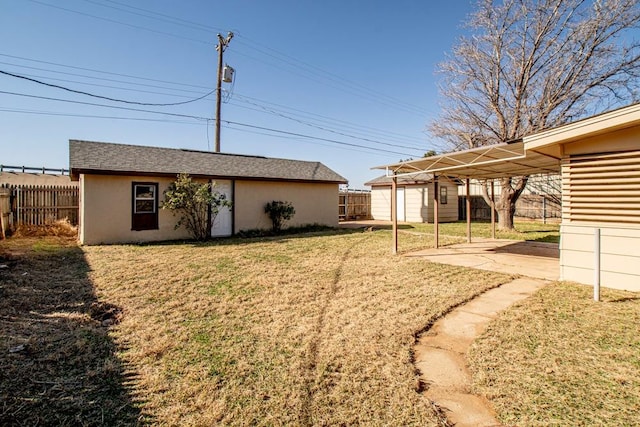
606 122
75 175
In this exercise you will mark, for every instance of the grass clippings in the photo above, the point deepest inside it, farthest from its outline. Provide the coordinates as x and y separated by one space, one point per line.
58 365
559 358
296 330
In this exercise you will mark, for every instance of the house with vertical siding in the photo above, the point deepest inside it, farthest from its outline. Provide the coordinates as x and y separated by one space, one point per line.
600 163
414 198
122 186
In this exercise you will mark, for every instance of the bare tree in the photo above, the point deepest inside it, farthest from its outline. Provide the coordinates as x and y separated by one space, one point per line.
528 65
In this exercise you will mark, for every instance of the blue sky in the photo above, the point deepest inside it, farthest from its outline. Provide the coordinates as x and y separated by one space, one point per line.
357 75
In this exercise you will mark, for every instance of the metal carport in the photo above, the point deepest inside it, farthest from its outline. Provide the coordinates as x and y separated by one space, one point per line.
488 163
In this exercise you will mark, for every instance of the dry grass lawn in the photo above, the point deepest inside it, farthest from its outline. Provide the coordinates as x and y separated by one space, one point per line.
523 230
313 330
559 358
58 365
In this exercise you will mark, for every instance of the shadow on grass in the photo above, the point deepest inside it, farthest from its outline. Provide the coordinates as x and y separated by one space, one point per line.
546 239
251 239
58 365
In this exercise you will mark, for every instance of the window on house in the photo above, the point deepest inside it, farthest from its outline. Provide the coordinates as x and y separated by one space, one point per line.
443 195
145 206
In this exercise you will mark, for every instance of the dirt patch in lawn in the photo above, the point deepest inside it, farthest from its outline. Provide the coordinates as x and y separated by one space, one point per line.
559 358
313 330
57 362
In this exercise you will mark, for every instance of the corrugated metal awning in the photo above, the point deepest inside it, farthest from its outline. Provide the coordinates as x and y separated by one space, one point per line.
490 162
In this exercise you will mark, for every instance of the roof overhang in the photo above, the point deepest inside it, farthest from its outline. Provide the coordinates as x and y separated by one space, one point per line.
550 141
490 162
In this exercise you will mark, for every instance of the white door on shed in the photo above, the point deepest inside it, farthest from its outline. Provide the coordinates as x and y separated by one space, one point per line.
400 212
223 222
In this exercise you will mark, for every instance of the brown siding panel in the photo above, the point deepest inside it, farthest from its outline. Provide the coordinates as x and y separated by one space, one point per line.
602 188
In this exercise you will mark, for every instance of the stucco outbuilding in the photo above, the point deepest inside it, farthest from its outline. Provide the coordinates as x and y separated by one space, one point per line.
414 198
121 187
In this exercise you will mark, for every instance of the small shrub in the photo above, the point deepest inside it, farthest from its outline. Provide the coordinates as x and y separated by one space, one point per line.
279 212
191 200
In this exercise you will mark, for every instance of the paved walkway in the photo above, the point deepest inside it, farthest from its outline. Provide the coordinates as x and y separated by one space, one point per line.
440 354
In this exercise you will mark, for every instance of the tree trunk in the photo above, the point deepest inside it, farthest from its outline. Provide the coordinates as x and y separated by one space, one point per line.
506 203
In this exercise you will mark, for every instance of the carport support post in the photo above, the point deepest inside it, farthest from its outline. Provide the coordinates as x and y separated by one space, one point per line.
436 234
493 211
394 215
468 185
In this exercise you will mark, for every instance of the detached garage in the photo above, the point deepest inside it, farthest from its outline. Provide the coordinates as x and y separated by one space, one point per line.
414 198
122 186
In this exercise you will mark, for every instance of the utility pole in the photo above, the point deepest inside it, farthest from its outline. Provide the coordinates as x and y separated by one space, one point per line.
222 45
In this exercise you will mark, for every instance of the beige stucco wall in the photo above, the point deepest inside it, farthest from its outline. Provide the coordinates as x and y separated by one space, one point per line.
315 203
417 201
105 207
619 242
381 203
105 211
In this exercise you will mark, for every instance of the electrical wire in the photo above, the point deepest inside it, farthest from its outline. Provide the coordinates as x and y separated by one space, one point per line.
241 98
93 116
206 119
96 71
334 131
84 76
369 94
313 137
109 86
331 120
80 92
138 27
280 137
48 98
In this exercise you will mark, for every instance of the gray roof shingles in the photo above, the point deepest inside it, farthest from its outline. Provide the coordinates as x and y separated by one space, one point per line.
103 157
419 178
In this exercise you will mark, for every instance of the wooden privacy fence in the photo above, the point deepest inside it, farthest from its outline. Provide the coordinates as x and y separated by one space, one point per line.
354 205
528 206
39 205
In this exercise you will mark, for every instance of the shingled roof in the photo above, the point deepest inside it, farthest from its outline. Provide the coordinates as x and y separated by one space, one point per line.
418 178
121 159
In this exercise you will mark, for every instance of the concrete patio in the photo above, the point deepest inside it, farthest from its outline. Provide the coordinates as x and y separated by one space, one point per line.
532 259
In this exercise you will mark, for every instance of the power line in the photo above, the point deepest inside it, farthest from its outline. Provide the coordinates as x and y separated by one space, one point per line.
169 18
206 119
85 76
109 86
347 124
98 71
48 98
138 27
244 98
314 137
308 68
305 141
80 92
92 116
334 131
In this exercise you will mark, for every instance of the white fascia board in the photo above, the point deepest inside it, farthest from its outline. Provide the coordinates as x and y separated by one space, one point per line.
606 122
